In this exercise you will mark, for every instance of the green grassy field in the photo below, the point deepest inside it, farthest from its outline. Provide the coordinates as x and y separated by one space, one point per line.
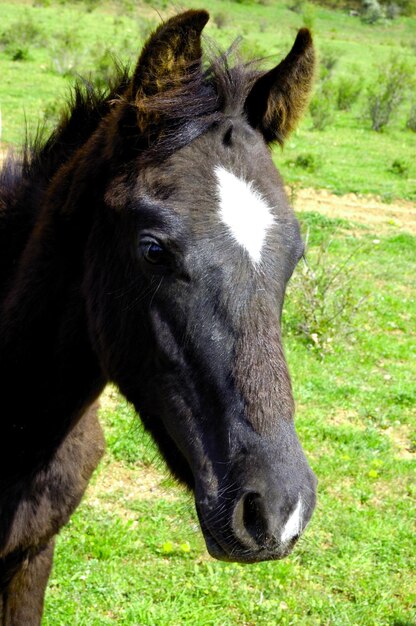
133 553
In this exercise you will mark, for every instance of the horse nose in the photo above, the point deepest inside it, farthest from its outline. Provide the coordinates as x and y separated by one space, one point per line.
258 525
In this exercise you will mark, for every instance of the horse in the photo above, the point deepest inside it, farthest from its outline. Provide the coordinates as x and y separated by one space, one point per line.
148 242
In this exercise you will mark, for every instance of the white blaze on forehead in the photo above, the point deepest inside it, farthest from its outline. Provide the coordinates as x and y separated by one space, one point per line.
243 209
293 525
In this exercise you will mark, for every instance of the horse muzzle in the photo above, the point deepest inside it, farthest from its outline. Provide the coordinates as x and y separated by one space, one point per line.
259 524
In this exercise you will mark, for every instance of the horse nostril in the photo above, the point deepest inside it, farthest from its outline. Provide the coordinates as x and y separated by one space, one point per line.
259 524
253 519
250 521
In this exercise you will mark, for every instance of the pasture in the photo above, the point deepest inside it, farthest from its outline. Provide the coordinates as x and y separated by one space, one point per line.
133 553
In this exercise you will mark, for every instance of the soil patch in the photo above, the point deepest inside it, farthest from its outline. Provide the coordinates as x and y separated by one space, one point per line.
116 487
400 437
367 210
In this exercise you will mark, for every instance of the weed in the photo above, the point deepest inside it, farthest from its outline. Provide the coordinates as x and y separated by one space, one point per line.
66 51
21 53
126 7
308 162
407 7
323 299
322 107
328 61
348 90
392 11
17 39
221 19
372 11
387 92
411 118
297 6
91 5
399 167
23 33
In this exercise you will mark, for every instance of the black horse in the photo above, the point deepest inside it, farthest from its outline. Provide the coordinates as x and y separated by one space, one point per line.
148 242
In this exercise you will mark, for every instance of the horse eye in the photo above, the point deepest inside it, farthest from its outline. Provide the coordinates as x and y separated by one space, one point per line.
153 252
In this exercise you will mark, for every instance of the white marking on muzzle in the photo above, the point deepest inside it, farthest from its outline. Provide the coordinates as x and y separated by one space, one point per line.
244 211
293 525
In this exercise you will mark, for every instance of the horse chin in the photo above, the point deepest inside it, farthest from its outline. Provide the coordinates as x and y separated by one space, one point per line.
244 556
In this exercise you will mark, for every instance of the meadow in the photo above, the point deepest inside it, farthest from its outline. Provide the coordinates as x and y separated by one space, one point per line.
133 553
43 46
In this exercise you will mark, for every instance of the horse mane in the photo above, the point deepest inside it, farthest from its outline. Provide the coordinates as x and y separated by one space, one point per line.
44 152
86 106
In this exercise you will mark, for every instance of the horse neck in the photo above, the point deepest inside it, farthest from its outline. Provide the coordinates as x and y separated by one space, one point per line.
48 370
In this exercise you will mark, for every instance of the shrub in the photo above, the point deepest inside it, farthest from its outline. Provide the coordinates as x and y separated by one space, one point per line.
307 161
327 62
297 6
322 107
17 39
399 167
91 5
24 32
392 11
407 7
386 94
323 303
411 118
372 11
128 7
221 19
348 90
66 51
20 53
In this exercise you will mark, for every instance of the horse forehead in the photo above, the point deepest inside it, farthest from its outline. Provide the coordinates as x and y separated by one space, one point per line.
244 211
227 196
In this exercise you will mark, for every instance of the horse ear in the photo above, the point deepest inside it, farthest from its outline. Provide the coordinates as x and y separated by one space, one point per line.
279 97
171 56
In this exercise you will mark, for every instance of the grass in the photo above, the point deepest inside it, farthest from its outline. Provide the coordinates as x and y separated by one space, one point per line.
133 553
349 156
